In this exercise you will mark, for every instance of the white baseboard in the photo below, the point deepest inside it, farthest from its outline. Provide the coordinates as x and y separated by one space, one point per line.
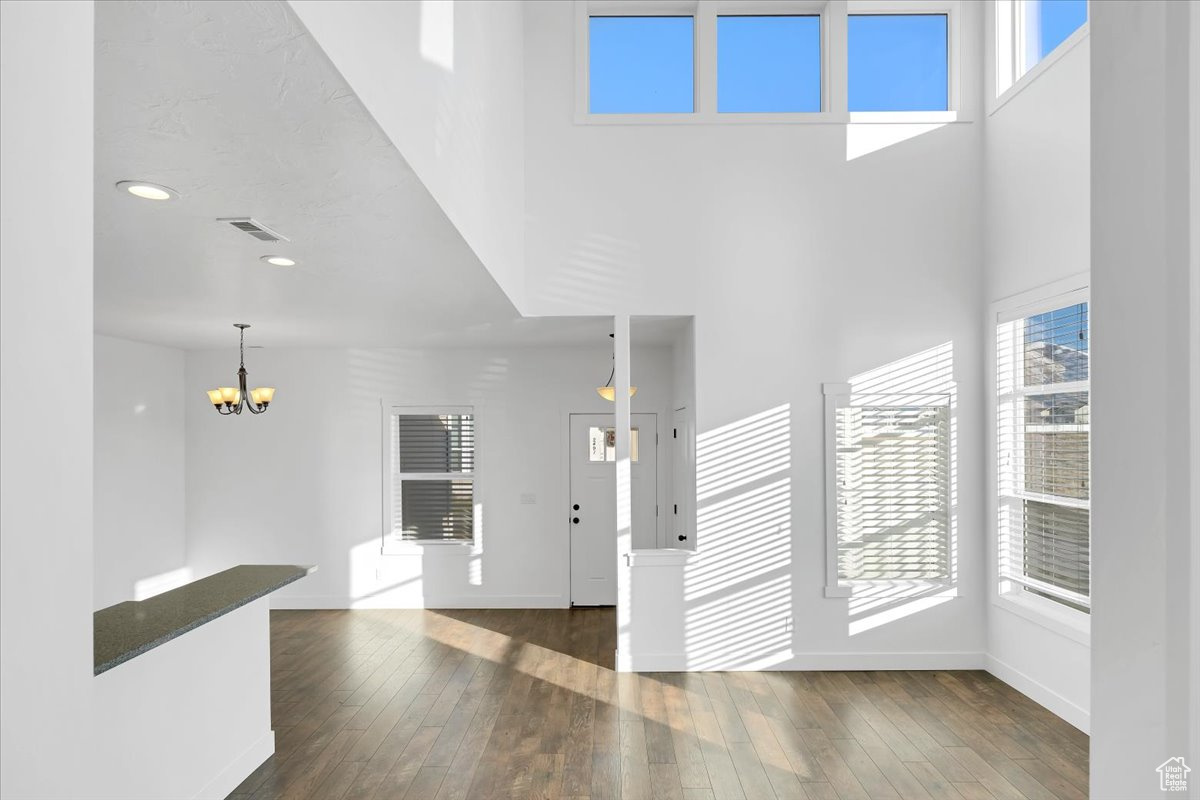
1040 694
680 662
383 601
232 776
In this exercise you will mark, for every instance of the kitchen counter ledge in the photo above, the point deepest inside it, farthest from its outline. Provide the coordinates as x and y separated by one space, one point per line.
128 629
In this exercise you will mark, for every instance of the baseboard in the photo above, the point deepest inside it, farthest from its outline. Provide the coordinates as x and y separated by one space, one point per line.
232 776
382 601
850 662
1040 694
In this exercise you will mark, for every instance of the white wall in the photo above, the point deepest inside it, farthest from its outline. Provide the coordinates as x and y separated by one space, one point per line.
45 396
444 81
1036 225
1144 480
188 719
302 483
801 267
139 543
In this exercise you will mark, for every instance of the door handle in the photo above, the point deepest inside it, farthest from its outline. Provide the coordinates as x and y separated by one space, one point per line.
575 507
575 520
682 538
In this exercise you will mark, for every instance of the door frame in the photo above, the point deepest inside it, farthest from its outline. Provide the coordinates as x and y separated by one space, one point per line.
570 463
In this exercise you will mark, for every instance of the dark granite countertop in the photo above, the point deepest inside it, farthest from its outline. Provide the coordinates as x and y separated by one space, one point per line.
129 629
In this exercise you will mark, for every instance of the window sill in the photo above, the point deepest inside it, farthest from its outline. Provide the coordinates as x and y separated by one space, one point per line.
1034 72
773 118
892 589
430 548
1053 616
664 557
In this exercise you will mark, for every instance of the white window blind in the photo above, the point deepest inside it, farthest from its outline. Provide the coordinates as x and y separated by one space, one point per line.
1043 441
893 487
431 480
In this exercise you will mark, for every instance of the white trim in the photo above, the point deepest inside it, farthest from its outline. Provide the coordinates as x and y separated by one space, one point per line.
1040 693
1046 297
664 557
429 548
232 776
382 600
1066 387
792 661
903 589
1035 585
1048 499
1051 615
837 396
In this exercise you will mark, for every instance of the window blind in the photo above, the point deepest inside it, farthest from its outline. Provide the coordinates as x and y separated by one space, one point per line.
1043 447
893 489
433 462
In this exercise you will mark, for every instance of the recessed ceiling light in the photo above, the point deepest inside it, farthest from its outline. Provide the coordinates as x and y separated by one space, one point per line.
148 191
279 261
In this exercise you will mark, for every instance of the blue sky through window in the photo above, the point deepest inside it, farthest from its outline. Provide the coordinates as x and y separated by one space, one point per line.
768 63
1057 19
897 62
640 65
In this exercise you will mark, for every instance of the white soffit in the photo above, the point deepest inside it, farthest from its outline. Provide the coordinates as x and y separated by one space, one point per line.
237 108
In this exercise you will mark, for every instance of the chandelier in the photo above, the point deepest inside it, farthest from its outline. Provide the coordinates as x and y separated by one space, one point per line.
228 400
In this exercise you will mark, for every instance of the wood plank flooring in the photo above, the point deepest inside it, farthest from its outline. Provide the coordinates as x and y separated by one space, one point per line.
433 705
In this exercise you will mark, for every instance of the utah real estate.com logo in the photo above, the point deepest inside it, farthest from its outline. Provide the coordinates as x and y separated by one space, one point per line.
1172 775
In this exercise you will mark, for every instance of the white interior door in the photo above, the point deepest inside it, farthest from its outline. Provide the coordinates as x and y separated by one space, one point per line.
593 504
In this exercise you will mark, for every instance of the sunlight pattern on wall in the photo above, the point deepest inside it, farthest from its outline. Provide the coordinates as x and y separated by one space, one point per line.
738 596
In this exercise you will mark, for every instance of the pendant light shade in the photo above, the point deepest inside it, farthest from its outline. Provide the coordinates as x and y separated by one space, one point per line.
609 393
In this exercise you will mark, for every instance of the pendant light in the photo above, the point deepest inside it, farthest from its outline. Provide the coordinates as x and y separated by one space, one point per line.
228 400
608 391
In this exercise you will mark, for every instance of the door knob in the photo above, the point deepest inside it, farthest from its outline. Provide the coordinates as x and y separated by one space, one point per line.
682 538
575 507
575 520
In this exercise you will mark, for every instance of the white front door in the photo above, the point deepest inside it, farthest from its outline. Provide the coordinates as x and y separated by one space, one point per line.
593 505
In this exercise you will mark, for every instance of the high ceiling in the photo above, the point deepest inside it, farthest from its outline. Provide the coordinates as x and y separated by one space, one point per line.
236 107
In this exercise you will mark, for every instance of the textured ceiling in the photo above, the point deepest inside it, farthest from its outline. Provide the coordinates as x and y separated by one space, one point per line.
236 107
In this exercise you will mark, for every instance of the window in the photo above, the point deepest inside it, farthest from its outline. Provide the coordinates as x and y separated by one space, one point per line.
640 65
1045 24
784 61
430 476
602 444
768 63
891 487
898 62
1027 31
1043 443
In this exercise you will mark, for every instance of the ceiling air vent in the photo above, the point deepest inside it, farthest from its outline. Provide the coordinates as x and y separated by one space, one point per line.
255 229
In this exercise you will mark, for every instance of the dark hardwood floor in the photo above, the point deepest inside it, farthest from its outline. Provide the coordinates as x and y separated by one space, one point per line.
524 703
